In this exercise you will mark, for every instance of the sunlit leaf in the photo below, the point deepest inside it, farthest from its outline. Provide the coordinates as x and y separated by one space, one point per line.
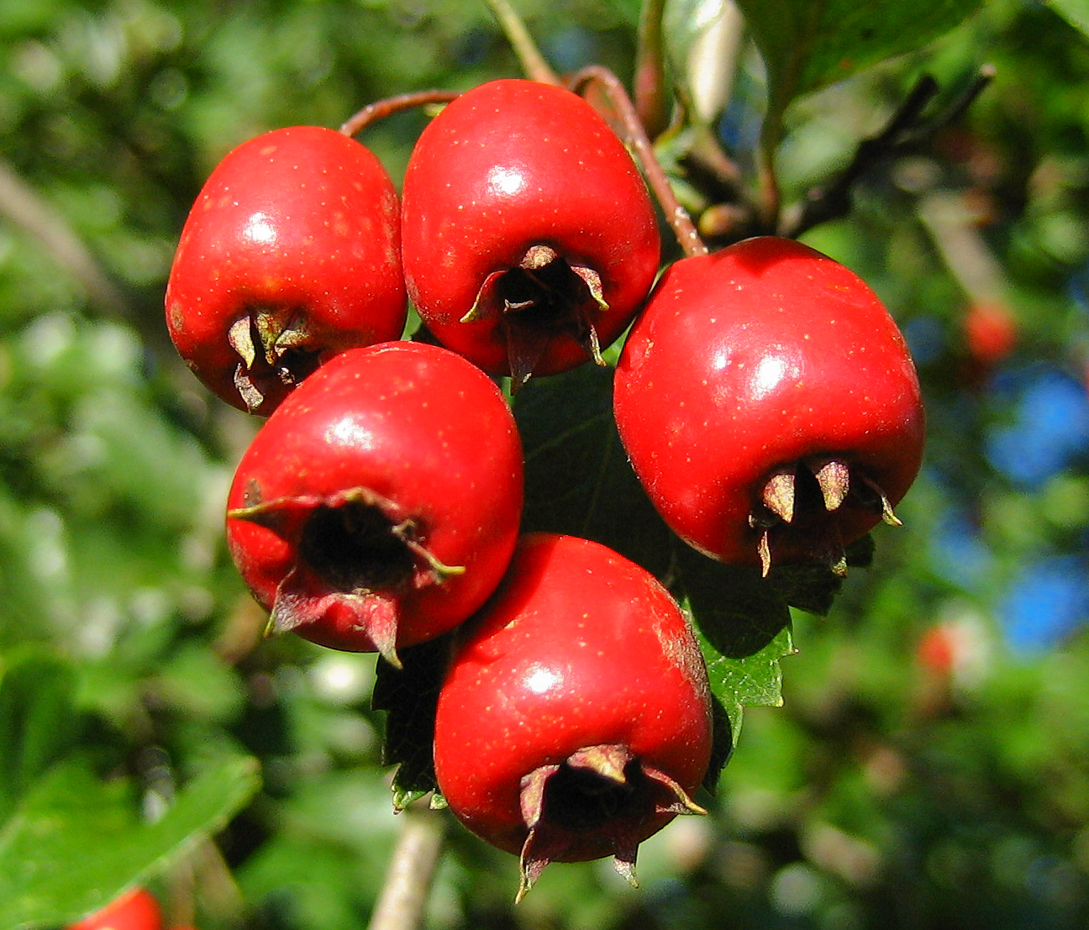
807 45
1075 12
703 38
74 842
744 628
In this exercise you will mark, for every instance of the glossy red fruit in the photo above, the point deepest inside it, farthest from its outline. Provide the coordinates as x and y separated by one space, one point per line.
379 504
134 910
769 404
529 237
575 719
289 255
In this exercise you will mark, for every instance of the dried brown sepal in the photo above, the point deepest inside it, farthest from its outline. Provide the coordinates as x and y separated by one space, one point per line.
827 547
763 550
240 338
249 392
377 613
355 553
526 345
537 300
887 513
624 865
608 761
272 345
834 479
613 797
799 495
592 280
680 802
531 798
778 494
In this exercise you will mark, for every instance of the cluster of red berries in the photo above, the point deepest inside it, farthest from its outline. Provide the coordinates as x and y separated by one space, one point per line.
765 397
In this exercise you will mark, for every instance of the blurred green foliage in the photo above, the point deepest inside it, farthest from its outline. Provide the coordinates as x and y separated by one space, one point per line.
930 765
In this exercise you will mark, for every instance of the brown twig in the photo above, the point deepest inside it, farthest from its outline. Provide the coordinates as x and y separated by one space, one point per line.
380 109
769 198
676 215
905 129
403 899
954 229
26 209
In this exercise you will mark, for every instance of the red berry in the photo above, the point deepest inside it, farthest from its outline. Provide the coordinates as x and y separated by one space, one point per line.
135 910
529 237
575 720
379 504
769 404
289 255
937 650
990 330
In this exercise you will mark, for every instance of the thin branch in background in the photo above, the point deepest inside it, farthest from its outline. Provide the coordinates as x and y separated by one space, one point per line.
28 211
676 215
953 226
203 872
649 83
534 64
955 110
380 109
907 128
403 899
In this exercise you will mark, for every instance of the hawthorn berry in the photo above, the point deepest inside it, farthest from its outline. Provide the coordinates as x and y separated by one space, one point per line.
990 334
529 238
575 719
290 254
136 909
769 404
379 504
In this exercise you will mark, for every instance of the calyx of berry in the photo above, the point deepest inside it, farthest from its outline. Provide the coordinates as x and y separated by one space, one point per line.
356 553
799 496
542 297
604 790
273 345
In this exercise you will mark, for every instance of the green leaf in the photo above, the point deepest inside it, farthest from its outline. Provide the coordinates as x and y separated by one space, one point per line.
196 681
1075 12
578 480
743 624
744 628
74 842
703 38
410 695
808 44
37 720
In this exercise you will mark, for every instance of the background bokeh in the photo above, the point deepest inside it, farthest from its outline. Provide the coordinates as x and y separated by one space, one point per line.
930 765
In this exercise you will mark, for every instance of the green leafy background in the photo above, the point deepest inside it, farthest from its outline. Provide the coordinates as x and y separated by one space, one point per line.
903 750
